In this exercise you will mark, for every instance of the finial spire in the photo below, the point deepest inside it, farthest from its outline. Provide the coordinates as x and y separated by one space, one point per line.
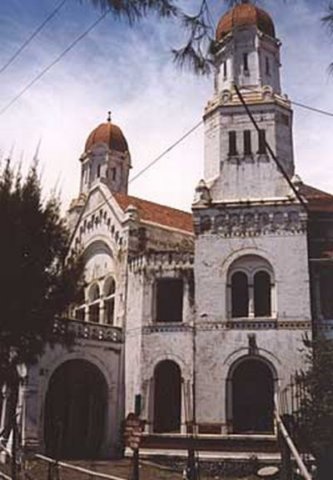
109 117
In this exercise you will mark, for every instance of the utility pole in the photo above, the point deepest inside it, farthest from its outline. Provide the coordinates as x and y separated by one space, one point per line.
137 411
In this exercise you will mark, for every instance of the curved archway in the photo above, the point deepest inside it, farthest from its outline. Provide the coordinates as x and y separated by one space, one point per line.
75 409
167 397
252 395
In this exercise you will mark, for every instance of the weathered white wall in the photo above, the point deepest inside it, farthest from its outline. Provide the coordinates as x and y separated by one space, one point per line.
108 358
218 349
287 255
247 177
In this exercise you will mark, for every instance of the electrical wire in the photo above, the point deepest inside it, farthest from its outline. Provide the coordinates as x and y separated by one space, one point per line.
312 109
297 104
32 36
153 162
141 172
54 62
269 148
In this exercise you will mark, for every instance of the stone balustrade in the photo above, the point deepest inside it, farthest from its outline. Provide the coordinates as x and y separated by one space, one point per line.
88 330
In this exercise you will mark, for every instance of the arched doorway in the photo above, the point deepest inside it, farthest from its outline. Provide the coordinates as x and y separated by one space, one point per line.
252 397
167 397
75 409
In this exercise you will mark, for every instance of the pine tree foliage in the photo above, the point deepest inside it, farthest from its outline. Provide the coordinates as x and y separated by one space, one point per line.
37 278
195 54
198 27
328 22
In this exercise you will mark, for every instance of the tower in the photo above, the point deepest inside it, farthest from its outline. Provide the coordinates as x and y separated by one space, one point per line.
247 53
251 268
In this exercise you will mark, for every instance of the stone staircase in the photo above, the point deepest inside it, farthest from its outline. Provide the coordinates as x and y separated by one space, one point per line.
212 446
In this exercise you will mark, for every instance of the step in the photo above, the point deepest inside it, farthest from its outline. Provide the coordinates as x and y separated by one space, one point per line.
212 443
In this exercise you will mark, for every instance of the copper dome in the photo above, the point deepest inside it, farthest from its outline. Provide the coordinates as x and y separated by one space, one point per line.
110 134
242 15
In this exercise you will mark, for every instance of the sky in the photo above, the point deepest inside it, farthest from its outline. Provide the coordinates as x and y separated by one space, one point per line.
129 70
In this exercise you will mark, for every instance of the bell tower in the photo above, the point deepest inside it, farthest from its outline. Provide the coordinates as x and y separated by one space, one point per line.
247 54
251 253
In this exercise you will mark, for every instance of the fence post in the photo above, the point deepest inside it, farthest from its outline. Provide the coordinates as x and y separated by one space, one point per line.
14 445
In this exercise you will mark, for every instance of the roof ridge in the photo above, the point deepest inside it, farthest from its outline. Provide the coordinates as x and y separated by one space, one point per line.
153 203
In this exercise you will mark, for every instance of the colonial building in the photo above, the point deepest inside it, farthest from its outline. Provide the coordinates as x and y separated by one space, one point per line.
201 314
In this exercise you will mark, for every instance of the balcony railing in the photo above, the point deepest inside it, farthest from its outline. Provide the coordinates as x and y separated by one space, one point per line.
88 330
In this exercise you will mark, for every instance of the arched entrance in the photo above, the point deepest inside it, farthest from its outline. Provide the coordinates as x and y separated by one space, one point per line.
167 397
252 397
75 409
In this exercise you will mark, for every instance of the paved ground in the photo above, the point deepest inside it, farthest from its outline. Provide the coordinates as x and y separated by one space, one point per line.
121 469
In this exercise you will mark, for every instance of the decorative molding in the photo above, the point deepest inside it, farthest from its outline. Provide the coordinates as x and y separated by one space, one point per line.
324 325
255 325
229 325
167 327
94 222
155 261
250 221
261 97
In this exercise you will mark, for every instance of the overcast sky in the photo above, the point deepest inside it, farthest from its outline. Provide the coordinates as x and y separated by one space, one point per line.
129 70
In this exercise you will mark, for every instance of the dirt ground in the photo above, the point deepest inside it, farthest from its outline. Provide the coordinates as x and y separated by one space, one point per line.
38 470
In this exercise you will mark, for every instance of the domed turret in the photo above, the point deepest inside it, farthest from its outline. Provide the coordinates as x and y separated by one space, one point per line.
106 158
246 50
109 134
245 14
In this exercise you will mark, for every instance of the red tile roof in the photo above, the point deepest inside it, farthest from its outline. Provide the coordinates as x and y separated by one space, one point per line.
245 14
318 201
156 213
110 134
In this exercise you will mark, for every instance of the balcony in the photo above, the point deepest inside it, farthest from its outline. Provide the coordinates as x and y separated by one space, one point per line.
88 330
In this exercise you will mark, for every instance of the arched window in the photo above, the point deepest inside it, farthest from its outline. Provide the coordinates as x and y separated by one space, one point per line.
262 294
94 293
79 309
94 303
109 300
251 285
239 295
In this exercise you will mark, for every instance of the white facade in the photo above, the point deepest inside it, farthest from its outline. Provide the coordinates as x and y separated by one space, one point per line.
182 315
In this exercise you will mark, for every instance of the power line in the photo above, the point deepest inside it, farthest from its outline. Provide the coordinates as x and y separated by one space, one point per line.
55 61
166 151
313 109
32 36
298 104
141 172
